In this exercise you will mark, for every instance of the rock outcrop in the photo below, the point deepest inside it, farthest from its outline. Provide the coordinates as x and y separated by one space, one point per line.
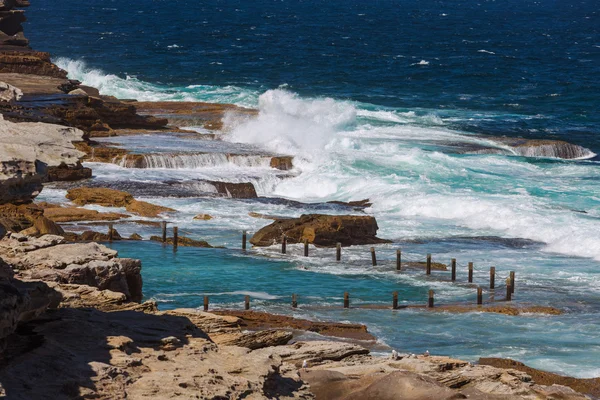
28 219
321 230
9 93
30 152
48 258
114 198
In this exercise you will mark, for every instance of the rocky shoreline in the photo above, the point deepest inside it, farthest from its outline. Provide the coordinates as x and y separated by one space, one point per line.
72 320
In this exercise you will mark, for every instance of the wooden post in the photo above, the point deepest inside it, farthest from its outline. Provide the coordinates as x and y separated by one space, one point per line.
283 244
470 272
175 237
508 290
395 301
164 231
247 302
479 296
244 240
512 282
110 232
294 301
431 293
453 262
428 271
373 257
492 277
346 300
338 252
398 260
305 247
205 303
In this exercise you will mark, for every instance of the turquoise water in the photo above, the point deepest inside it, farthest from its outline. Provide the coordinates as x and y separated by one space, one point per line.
382 100
566 343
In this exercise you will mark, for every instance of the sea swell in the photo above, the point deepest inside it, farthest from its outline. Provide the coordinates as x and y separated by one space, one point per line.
405 161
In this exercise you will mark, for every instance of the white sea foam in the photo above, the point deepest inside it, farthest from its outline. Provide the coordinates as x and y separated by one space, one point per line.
130 87
288 124
346 151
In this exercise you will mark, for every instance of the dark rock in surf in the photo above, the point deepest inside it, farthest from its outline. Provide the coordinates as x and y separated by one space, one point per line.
244 190
69 173
321 230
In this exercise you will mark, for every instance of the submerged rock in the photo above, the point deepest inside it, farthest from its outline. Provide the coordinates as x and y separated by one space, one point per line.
184 241
321 230
532 148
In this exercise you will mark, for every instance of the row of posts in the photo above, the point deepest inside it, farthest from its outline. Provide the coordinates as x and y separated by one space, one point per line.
164 234
430 300
338 257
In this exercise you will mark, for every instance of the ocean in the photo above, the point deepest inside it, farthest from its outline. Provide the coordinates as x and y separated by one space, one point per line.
414 105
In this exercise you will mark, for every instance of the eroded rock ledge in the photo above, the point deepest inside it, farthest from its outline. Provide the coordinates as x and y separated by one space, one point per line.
321 230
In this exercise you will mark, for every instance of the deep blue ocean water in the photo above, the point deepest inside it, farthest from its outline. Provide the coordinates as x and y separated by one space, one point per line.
536 61
375 99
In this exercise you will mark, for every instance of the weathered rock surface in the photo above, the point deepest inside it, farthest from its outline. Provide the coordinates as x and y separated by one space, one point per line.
27 218
64 172
9 93
49 259
135 355
208 115
260 320
420 377
531 148
75 214
259 339
114 198
321 230
28 151
244 190
589 386
91 236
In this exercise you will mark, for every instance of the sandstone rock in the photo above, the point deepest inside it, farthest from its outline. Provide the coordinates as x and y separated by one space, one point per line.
86 263
203 217
21 175
255 320
26 152
27 217
588 386
90 91
208 115
321 230
133 274
316 351
9 93
114 198
75 214
184 241
235 190
78 92
146 209
392 386
283 163
135 236
69 173
100 196
53 144
91 236
121 356
259 339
